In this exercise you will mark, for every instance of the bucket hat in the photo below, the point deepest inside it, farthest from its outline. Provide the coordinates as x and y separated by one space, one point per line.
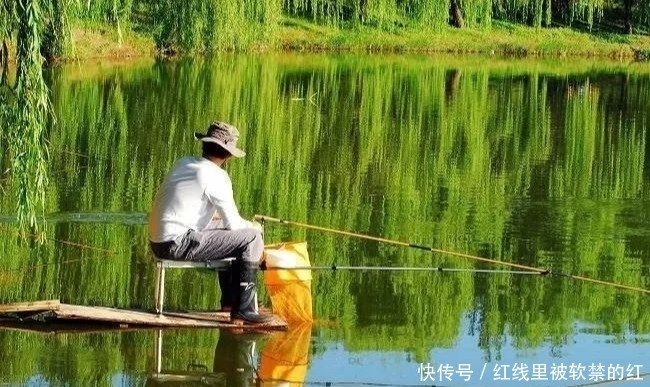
224 135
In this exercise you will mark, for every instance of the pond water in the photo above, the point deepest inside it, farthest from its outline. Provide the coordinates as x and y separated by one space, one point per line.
540 163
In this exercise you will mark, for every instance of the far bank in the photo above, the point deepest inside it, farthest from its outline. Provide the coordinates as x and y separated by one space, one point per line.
102 42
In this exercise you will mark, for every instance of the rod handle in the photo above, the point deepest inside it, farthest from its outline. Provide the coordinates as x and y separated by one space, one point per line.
267 218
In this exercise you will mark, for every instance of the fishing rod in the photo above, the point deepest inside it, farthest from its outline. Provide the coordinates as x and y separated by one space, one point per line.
394 268
263 266
264 218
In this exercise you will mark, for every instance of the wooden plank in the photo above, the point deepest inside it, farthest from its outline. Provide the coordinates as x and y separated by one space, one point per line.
224 319
78 312
133 317
53 310
206 378
213 315
206 316
32 306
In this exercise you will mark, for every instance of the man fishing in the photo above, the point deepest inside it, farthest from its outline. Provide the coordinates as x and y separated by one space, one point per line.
195 218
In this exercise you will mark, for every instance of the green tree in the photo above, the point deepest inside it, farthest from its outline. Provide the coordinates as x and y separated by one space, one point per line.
26 103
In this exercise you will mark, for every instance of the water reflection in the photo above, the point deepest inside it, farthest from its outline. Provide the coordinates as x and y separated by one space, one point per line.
242 359
285 358
530 163
233 364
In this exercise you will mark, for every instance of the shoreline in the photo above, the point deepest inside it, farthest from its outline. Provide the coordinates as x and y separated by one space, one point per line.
496 66
99 43
502 39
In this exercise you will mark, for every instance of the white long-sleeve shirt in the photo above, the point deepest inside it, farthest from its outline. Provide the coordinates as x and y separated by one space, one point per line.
193 192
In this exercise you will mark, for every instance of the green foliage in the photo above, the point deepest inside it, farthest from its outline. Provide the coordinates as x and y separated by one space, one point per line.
208 25
641 14
387 14
7 18
110 11
477 13
391 14
41 30
25 109
56 32
527 163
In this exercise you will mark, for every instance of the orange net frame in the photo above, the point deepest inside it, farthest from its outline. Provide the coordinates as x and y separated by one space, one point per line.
289 290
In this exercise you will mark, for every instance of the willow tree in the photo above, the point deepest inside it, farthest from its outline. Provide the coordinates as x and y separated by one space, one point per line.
34 27
636 13
213 25
392 14
533 12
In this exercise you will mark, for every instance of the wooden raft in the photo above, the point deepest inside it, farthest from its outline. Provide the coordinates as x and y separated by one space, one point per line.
53 310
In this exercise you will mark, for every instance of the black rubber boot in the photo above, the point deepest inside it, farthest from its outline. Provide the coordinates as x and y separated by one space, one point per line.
225 284
234 357
244 307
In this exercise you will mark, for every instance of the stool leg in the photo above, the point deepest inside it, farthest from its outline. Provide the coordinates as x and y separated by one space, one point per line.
162 290
156 296
159 351
257 310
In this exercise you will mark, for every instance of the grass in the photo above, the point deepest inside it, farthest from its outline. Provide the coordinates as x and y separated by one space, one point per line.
501 38
96 41
99 41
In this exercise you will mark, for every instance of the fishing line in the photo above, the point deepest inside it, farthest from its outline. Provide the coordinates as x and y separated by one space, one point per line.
397 268
264 218
69 243
263 267
335 267
75 169
405 244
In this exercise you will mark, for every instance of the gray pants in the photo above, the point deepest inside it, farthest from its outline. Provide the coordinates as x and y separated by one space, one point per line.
213 244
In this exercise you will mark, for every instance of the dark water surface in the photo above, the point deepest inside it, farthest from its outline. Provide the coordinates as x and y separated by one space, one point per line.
537 163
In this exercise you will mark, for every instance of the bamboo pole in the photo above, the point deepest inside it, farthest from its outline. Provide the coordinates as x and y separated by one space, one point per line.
264 218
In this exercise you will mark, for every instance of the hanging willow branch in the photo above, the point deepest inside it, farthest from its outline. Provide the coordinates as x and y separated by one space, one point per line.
214 25
26 111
